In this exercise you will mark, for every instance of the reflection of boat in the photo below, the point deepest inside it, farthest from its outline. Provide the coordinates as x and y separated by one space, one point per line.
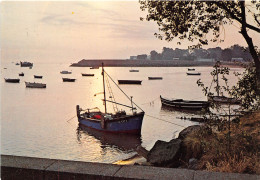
65 72
21 74
39 77
68 80
12 80
193 74
218 98
129 82
118 122
26 64
84 74
155 78
124 142
191 69
35 85
184 104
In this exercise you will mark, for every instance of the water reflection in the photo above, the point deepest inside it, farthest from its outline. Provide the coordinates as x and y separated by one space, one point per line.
123 142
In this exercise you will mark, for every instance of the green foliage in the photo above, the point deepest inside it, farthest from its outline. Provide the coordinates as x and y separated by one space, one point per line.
247 89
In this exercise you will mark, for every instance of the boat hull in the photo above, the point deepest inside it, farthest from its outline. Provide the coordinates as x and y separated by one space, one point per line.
88 74
223 100
12 80
26 64
129 82
68 80
180 104
35 85
193 74
155 78
131 124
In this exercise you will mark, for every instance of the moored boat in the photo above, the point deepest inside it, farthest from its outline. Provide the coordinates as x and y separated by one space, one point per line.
118 122
193 74
38 77
68 80
35 85
94 67
21 74
129 81
65 72
224 100
155 78
133 70
9 80
26 64
85 74
185 104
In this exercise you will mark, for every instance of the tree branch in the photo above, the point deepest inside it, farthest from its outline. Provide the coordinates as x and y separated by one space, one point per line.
256 20
221 5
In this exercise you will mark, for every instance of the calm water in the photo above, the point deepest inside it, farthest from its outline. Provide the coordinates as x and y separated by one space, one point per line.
42 122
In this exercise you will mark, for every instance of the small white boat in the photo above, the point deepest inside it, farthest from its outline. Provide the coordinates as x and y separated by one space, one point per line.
65 72
35 85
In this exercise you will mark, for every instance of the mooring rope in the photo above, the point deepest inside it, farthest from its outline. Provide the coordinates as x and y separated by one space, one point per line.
165 120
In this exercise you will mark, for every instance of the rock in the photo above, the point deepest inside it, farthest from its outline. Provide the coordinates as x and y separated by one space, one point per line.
165 154
142 151
188 130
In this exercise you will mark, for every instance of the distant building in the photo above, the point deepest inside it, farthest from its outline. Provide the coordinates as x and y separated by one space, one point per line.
142 57
205 60
133 57
237 60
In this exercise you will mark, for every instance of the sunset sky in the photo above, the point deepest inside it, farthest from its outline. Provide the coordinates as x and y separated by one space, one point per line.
70 31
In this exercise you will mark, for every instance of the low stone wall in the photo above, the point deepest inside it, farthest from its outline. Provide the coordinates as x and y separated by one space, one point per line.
18 167
141 63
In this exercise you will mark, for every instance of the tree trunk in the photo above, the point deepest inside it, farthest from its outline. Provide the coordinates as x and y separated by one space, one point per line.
250 43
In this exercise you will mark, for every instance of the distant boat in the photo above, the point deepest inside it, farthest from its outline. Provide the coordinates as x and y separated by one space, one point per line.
17 64
5 68
94 67
26 64
191 69
38 77
155 78
21 74
129 81
35 85
118 122
65 72
68 80
9 80
133 70
194 74
84 74
181 104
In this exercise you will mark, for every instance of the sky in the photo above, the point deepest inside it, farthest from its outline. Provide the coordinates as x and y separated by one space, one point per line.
68 31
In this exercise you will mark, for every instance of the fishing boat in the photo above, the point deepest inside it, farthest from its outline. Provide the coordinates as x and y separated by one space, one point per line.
37 77
94 67
26 64
191 69
21 74
184 104
220 98
193 74
68 80
84 74
117 122
65 72
133 70
35 85
129 81
155 78
9 80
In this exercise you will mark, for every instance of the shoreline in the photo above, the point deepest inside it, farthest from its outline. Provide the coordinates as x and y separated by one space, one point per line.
150 63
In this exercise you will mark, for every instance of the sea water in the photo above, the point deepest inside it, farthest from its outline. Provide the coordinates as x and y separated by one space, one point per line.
43 123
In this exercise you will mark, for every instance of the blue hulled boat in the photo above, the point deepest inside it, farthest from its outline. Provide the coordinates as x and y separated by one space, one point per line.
118 122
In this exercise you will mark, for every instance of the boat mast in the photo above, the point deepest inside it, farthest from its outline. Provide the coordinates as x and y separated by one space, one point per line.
103 74
217 79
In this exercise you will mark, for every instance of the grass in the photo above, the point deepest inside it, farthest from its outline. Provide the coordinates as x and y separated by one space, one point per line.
240 154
